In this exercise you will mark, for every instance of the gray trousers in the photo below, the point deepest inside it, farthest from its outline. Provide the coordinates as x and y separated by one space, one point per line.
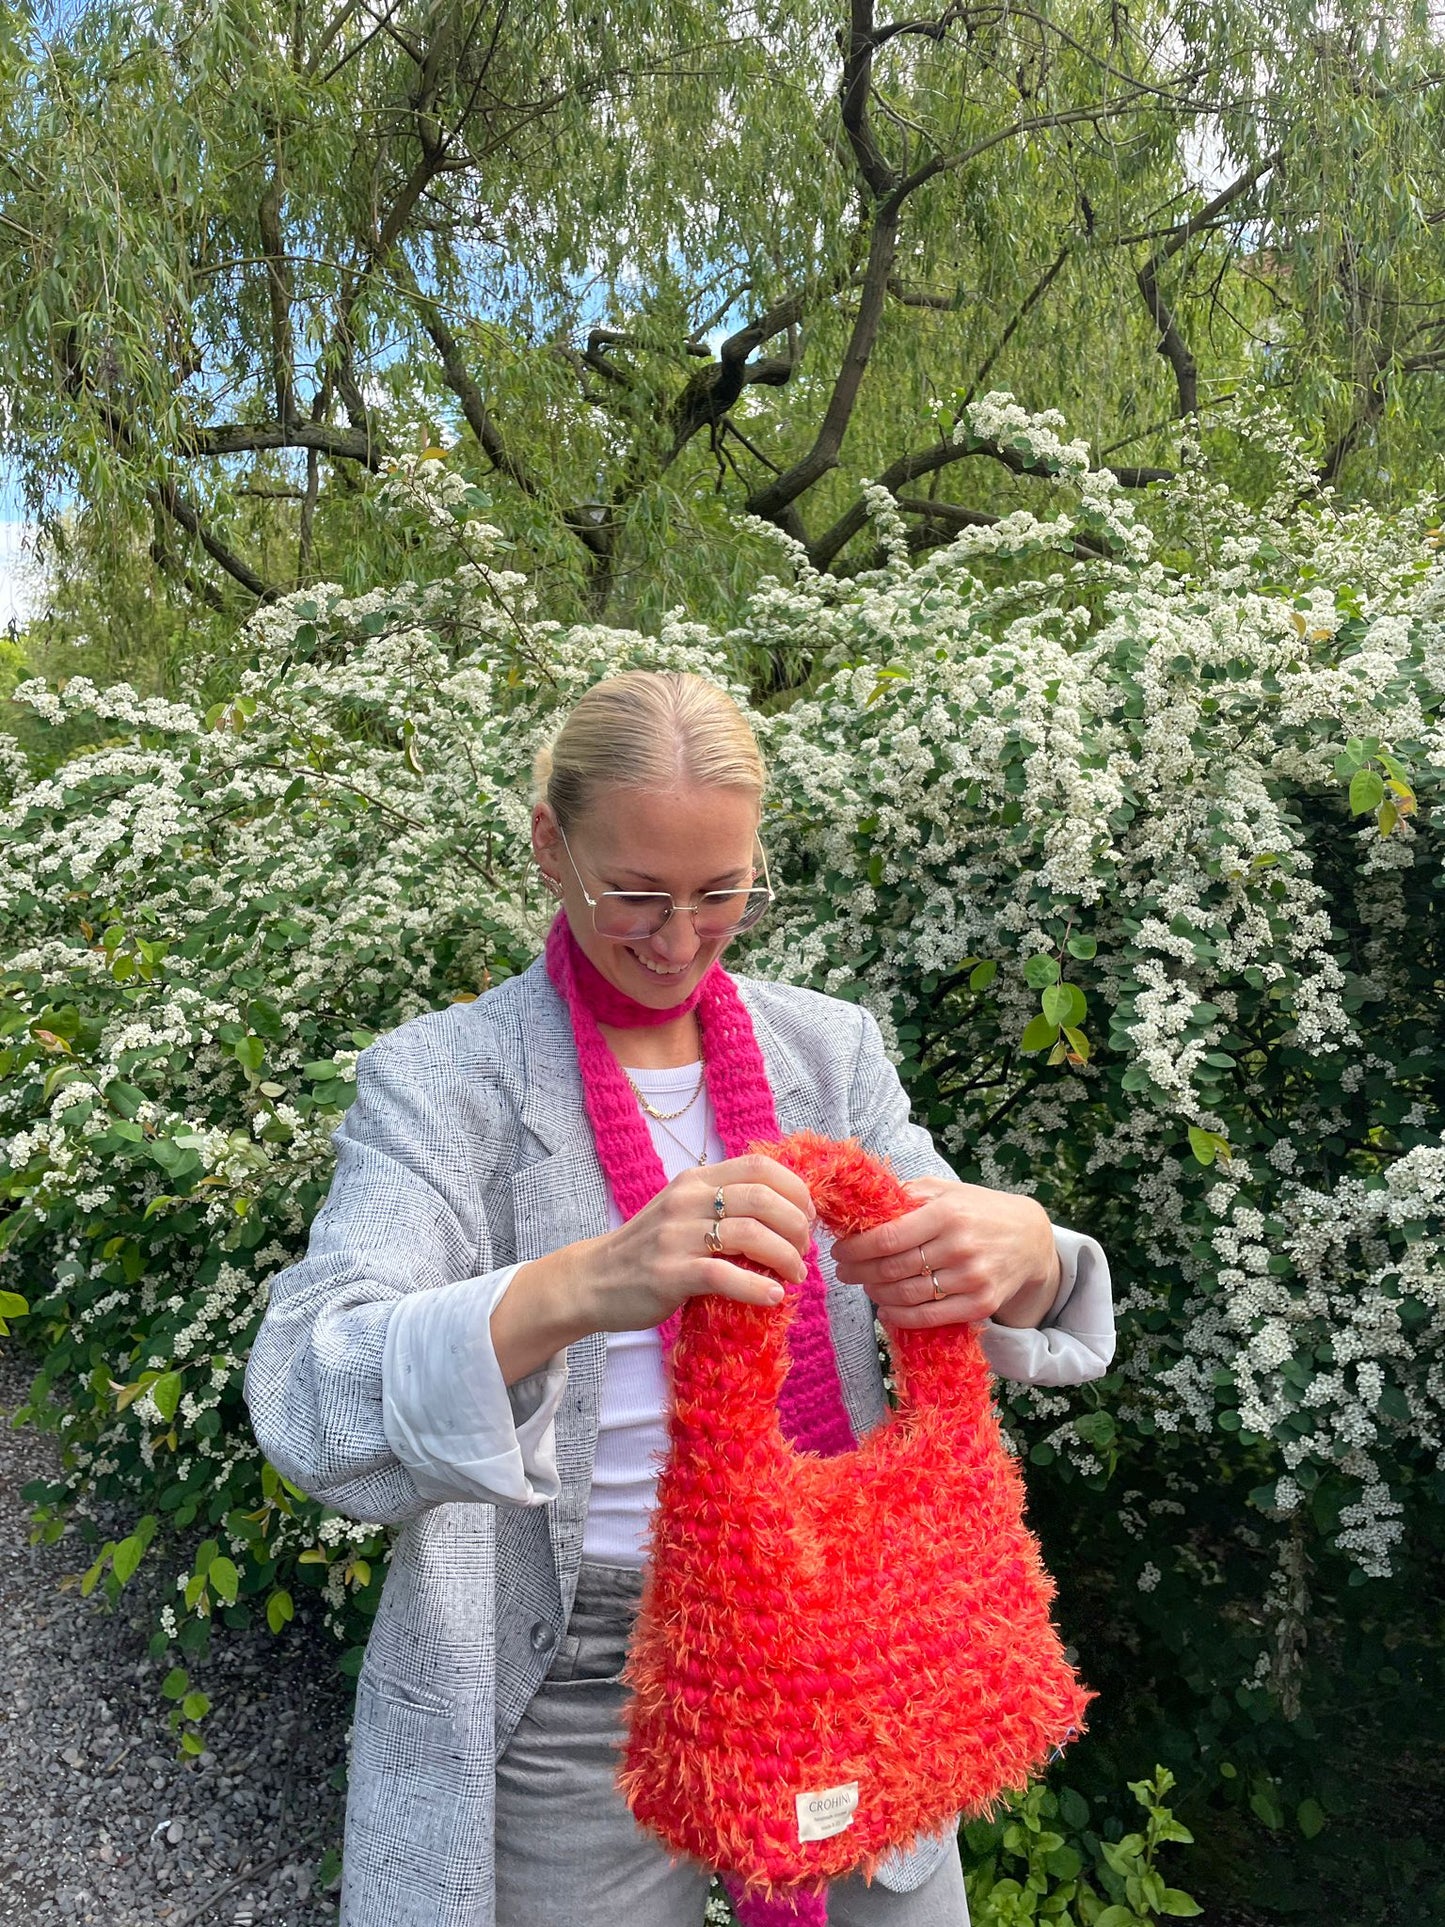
570 1854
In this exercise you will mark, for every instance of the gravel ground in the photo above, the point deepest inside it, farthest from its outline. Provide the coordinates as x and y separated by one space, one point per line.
100 1820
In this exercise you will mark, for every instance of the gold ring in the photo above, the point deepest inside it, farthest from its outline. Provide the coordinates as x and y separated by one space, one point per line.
713 1242
932 1275
719 1208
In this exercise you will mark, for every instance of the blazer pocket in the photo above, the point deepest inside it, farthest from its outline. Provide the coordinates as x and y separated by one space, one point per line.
405 1693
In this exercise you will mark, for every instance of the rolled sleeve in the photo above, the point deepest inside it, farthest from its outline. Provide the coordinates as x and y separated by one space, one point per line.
459 1429
1075 1341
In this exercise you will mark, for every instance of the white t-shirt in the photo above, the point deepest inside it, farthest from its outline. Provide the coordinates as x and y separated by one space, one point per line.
632 1415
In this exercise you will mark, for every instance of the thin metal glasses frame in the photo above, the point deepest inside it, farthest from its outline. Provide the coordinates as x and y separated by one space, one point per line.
767 893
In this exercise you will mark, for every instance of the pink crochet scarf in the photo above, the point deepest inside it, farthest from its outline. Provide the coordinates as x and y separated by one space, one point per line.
811 1406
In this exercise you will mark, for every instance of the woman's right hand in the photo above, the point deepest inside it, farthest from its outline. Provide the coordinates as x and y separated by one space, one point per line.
635 1277
642 1272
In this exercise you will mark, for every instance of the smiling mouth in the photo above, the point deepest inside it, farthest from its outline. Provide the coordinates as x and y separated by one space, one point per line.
655 970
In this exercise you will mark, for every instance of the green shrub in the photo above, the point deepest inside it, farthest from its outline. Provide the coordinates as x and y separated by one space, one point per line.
1044 1861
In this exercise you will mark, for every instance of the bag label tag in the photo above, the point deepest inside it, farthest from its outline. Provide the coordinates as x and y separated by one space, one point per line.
826 1812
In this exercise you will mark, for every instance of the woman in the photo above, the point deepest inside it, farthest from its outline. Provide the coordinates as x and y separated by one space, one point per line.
471 1346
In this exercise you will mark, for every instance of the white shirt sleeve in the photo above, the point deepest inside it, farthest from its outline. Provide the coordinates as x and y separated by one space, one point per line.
459 1429
1075 1341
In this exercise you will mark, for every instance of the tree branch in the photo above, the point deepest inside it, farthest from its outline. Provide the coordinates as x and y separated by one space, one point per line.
907 297
925 461
278 290
1210 212
1171 343
1367 412
1031 124
955 518
458 376
241 438
889 193
1030 301
169 563
854 91
308 518
167 499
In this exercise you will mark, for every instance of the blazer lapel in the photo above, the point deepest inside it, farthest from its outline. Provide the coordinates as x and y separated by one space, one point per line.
794 1099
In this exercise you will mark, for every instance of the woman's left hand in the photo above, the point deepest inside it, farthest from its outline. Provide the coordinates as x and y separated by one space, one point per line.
991 1252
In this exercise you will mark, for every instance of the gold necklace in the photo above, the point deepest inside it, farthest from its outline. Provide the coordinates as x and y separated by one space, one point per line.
666 1117
698 1157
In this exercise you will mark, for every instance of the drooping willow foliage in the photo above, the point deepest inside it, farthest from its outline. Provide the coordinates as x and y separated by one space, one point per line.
656 265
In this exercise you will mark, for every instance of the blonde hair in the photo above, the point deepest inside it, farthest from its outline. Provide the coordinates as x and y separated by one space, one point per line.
647 729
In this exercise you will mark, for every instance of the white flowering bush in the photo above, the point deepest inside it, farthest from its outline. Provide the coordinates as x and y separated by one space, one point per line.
1120 819
1127 855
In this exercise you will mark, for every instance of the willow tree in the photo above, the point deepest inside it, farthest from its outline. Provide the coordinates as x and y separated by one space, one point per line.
656 269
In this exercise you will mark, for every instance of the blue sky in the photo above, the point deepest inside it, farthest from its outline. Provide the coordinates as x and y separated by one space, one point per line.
14 532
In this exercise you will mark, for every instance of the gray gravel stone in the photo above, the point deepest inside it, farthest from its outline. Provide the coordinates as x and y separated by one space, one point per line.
101 1822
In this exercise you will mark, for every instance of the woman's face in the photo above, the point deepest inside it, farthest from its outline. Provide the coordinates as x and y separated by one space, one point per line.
684 840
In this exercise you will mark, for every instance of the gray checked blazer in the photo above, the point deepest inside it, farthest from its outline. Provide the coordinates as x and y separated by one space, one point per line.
467 1149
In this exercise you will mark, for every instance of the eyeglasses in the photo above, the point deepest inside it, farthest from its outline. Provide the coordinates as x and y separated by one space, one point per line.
627 916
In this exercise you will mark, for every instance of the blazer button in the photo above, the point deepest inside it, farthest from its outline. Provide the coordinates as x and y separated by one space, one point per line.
544 1637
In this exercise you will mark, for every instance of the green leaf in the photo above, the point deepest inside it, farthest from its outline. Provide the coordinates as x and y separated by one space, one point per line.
12 1305
92 1577
128 1555
1119 1917
1096 1428
1367 791
1082 947
166 1395
123 1097
279 1610
249 1052
192 1743
1310 1818
1264 1806
1181 1905
1039 1034
1040 971
195 1706
1204 1144
1058 1003
175 1684
981 977
224 1579
1166 1827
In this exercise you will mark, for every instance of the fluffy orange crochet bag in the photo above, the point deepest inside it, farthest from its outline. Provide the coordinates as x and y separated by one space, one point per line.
835 1655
